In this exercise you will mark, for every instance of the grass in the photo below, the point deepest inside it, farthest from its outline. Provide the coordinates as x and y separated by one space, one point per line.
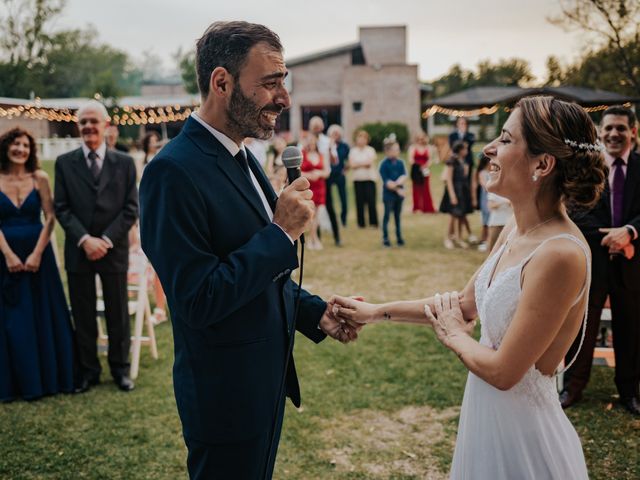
383 408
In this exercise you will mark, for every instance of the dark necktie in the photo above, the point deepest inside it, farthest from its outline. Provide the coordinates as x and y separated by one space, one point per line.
618 192
242 161
93 164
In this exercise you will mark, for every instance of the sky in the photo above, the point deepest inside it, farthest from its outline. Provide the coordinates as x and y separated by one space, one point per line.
439 33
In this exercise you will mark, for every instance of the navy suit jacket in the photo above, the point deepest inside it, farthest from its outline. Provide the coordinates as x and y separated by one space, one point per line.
226 270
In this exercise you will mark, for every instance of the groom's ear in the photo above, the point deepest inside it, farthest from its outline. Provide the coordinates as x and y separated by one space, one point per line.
220 82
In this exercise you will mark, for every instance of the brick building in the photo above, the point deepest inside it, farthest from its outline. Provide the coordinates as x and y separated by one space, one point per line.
367 81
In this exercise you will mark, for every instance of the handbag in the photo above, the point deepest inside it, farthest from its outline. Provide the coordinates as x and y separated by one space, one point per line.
426 172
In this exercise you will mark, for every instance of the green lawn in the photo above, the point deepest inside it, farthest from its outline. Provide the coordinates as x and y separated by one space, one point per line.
383 408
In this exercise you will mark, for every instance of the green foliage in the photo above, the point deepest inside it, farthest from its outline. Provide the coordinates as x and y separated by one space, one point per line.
612 56
66 63
379 131
187 63
509 72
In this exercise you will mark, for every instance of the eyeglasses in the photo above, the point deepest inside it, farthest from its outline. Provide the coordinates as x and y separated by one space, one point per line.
92 121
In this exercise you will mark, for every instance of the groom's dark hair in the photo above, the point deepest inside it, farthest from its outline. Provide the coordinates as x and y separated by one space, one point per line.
226 44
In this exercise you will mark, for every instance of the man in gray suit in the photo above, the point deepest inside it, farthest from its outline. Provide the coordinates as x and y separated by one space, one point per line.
96 202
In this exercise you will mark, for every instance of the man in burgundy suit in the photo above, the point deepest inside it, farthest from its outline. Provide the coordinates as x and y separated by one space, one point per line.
611 228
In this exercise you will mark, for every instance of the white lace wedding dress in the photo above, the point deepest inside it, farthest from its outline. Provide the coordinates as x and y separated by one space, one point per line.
521 433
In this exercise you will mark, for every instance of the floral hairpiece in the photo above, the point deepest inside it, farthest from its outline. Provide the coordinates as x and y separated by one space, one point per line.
595 147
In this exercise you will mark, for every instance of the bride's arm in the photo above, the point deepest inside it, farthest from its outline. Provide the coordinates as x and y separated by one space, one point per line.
553 280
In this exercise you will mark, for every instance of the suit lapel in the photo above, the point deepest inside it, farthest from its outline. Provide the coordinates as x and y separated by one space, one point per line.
228 165
83 170
630 183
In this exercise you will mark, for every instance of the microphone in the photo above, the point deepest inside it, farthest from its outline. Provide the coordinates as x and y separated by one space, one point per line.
292 159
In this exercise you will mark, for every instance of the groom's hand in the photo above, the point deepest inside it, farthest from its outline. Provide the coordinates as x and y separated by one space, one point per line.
336 329
295 208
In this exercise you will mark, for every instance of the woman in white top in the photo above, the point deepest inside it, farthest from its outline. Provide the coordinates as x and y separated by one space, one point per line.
362 163
500 212
531 295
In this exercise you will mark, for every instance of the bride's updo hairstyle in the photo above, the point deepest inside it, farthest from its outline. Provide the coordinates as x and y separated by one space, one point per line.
565 131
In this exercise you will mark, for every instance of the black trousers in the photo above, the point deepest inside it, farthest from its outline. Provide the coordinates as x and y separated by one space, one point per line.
625 323
245 460
82 293
341 183
366 197
335 228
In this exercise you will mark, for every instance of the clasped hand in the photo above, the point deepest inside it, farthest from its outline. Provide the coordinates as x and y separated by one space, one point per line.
448 320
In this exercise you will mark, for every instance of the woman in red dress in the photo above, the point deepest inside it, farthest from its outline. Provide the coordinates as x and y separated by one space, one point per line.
313 168
419 158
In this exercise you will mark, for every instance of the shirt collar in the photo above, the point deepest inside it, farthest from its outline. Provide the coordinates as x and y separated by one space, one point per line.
610 158
231 146
101 151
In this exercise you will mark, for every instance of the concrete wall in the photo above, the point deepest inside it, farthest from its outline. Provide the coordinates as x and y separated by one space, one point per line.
37 128
388 94
316 83
384 45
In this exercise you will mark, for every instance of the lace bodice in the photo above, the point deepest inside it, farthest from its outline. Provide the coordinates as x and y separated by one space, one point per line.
497 304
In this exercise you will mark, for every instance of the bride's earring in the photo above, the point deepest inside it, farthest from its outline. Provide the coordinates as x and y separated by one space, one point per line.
534 177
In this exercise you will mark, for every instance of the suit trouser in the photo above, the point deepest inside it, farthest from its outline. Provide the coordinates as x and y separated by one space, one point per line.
341 183
82 293
242 460
335 228
366 196
625 314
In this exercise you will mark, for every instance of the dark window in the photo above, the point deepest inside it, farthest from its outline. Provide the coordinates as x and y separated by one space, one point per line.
357 56
330 114
357 106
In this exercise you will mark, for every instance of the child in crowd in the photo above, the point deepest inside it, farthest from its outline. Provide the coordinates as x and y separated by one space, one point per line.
394 174
456 199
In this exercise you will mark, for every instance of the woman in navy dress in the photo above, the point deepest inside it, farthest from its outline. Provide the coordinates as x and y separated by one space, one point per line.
36 340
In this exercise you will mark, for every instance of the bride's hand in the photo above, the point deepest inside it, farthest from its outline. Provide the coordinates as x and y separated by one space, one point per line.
448 320
352 310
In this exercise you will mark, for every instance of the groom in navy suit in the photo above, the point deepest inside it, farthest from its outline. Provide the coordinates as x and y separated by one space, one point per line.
224 251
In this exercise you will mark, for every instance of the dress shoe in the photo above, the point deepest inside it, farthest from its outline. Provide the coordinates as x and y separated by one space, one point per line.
124 383
568 398
85 383
631 405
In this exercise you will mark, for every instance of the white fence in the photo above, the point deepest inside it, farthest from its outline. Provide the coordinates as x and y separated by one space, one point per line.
50 148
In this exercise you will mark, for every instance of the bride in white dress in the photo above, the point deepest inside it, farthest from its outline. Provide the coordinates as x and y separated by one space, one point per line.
530 296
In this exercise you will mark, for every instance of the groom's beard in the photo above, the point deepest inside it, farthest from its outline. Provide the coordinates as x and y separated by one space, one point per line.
244 115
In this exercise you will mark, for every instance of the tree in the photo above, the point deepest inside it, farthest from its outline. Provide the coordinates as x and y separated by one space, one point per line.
555 72
614 25
67 63
187 64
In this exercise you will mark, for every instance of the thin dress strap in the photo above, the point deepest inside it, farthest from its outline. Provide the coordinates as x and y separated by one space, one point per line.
585 286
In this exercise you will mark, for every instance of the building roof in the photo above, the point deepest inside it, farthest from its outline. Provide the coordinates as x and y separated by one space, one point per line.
478 97
131 101
322 55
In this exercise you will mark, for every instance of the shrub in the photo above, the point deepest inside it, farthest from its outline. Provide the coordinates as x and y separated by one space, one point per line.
379 131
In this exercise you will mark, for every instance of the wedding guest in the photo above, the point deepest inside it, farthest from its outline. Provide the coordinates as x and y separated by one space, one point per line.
275 169
362 163
339 156
394 174
462 133
313 170
420 174
482 177
111 137
96 202
36 338
611 228
455 200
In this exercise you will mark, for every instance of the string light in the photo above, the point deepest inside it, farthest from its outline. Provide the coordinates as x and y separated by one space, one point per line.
459 113
125 115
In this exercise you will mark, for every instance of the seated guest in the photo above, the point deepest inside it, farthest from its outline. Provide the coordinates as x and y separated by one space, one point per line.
36 340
